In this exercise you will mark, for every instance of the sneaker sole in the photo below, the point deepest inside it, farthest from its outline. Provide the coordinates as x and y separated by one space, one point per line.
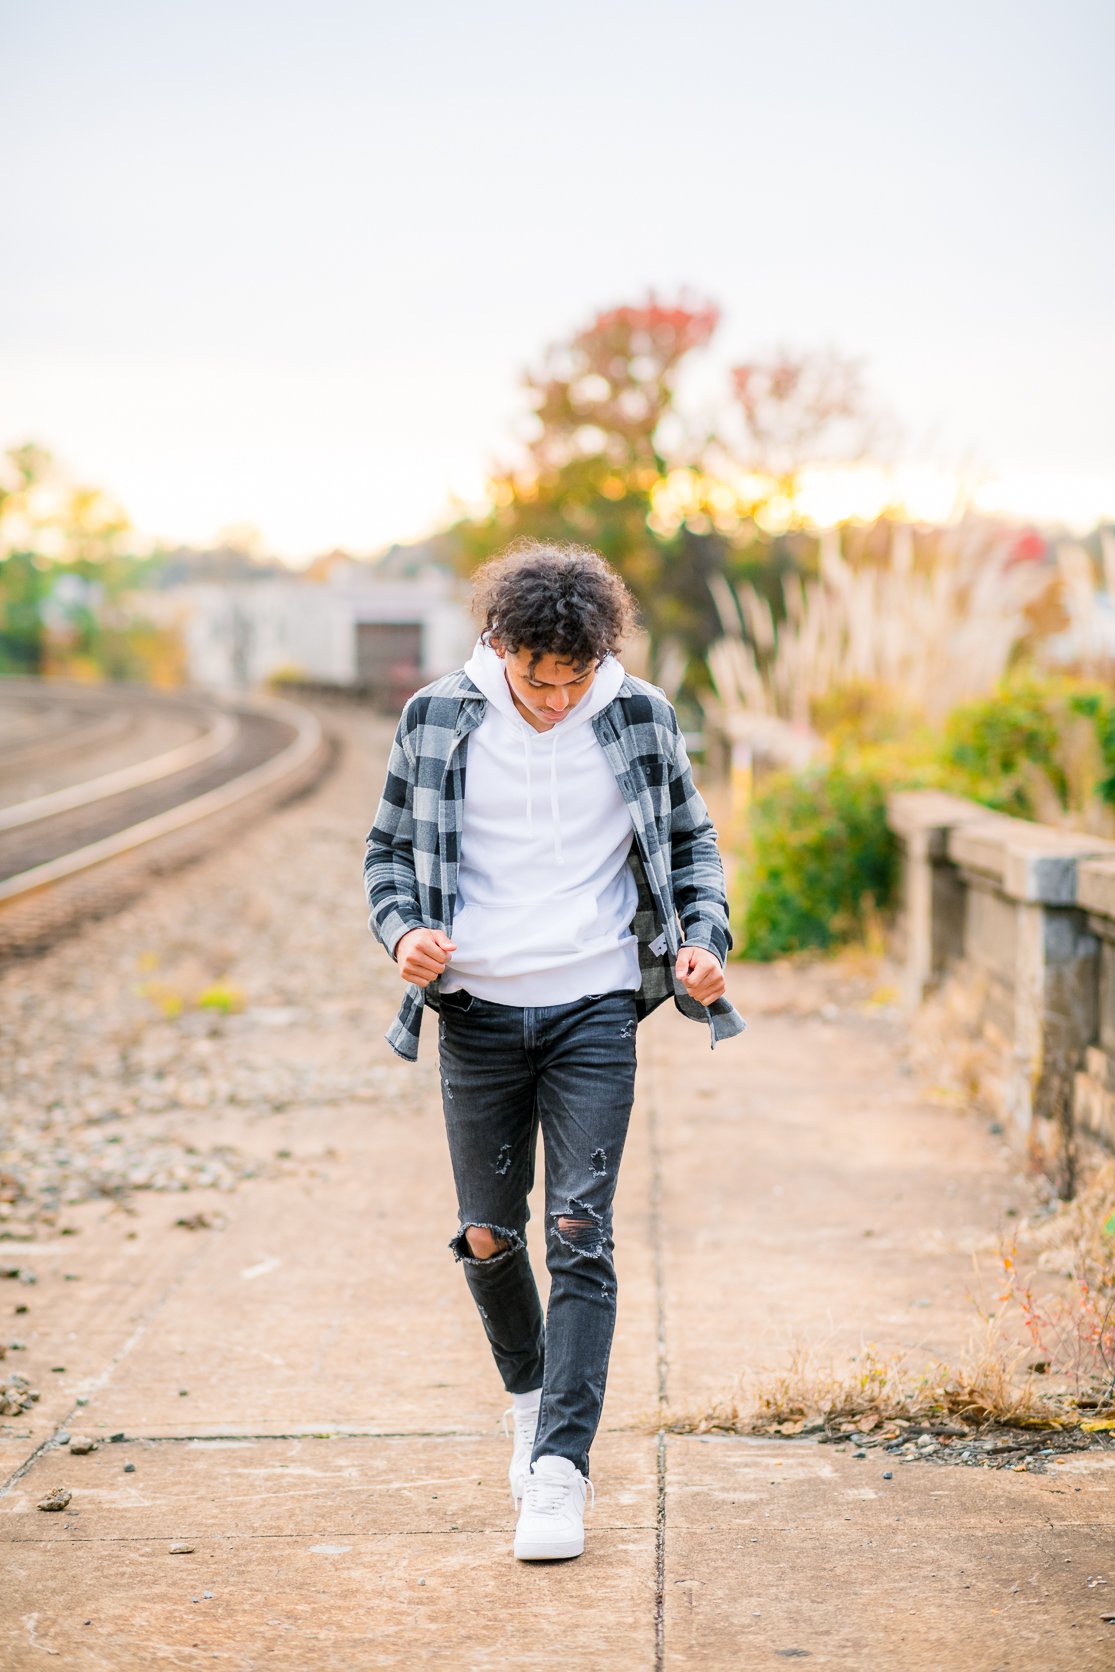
549 1550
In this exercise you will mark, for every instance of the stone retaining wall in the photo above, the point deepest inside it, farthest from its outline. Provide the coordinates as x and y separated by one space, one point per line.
1024 915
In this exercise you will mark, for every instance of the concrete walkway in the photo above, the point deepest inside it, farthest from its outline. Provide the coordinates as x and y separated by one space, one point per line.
306 1397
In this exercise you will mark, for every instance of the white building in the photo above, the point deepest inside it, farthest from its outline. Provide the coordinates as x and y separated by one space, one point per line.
353 629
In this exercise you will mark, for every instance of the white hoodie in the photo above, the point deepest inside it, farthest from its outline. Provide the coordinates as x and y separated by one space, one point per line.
545 896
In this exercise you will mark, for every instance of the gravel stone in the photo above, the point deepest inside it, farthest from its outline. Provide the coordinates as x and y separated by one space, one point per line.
16 1394
57 1498
115 1081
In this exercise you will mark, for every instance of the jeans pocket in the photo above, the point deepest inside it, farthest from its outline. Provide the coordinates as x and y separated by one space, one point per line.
459 1000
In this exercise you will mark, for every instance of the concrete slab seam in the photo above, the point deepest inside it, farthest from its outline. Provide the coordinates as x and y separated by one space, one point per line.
661 1369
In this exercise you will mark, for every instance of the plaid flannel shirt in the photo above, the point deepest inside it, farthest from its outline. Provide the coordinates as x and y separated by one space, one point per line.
413 848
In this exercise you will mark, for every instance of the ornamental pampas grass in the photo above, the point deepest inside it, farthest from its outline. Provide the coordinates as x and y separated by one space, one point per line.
935 629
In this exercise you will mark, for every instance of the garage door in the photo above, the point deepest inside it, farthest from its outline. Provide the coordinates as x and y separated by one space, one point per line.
389 659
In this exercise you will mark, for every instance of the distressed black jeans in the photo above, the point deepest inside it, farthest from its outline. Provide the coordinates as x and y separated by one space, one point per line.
507 1070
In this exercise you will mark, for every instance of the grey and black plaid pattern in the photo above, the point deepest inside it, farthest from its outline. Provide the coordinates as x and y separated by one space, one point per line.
412 850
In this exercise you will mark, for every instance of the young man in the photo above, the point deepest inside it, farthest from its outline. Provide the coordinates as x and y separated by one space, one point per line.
534 903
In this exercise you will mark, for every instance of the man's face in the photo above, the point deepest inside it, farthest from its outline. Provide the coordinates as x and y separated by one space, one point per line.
546 693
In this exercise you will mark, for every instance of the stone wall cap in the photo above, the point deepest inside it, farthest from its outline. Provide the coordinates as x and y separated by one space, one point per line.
913 811
1095 886
982 844
1074 843
1033 863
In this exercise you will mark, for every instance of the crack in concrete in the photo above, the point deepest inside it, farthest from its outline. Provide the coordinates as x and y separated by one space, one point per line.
98 1382
223 1436
661 1367
494 1531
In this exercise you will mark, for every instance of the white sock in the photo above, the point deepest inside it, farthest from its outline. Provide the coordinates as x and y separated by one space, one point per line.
555 1465
526 1401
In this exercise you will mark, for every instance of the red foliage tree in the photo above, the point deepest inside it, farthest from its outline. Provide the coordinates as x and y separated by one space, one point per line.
603 394
799 410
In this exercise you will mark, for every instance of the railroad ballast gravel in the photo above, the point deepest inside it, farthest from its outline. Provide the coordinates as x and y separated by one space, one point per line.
122 1046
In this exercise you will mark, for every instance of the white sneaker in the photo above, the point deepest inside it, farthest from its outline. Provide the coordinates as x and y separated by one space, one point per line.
551 1522
525 1421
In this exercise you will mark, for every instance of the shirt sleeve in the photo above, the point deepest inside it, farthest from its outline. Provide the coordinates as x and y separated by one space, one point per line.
390 882
700 894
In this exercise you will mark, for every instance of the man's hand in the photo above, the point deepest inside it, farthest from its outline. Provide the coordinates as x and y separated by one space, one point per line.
701 973
422 954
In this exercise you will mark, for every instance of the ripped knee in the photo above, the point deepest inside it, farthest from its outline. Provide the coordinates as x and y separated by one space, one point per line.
483 1242
478 1243
580 1229
576 1230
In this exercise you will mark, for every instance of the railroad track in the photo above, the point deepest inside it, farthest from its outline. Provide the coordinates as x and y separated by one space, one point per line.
82 848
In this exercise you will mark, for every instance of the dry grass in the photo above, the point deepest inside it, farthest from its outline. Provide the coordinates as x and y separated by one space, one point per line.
1043 1356
1063 1289
1054 1277
881 1396
1076 1230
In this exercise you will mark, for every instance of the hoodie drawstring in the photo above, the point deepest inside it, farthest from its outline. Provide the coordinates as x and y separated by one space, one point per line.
555 805
530 798
555 810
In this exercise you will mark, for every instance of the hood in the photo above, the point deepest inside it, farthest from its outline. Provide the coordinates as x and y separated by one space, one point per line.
486 670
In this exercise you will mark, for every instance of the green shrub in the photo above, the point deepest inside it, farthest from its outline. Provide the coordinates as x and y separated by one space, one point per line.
1034 749
994 746
820 859
1098 706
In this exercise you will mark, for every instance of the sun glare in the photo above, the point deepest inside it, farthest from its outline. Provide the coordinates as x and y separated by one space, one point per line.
1077 502
825 496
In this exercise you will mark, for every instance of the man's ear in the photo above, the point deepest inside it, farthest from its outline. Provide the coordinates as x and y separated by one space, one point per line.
498 648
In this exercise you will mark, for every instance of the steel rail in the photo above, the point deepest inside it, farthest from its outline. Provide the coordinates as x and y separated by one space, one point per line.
73 734
306 742
183 755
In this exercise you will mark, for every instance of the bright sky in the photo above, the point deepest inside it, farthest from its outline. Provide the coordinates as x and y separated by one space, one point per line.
283 264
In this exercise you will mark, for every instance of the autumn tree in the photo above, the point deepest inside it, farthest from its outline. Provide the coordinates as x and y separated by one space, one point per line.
67 566
608 461
603 405
798 410
600 400
24 585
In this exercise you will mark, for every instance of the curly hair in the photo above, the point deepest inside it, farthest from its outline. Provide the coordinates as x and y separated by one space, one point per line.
553 600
